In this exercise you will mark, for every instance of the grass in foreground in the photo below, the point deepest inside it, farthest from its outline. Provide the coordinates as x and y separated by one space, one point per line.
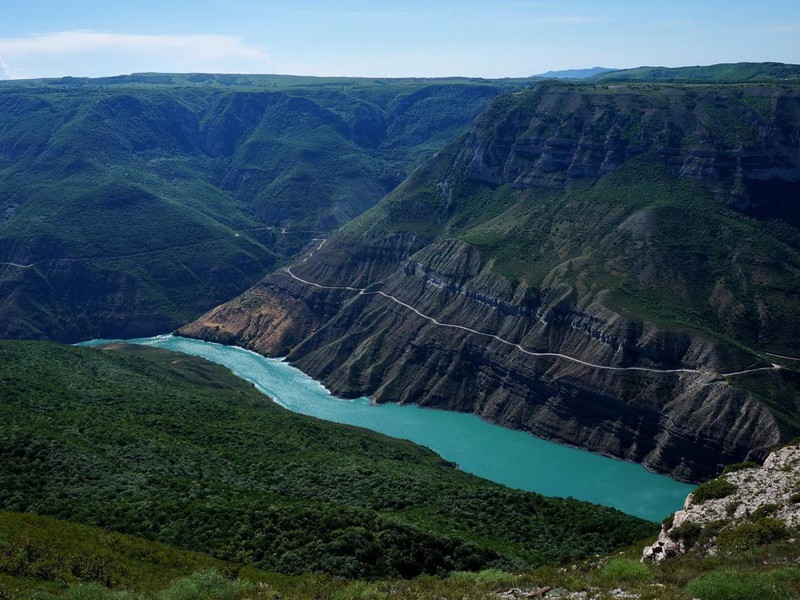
44 558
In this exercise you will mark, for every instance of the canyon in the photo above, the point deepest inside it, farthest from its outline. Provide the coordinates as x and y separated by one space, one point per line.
650 230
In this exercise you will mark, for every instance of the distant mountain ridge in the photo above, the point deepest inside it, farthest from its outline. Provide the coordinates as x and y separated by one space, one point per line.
719 73
575 73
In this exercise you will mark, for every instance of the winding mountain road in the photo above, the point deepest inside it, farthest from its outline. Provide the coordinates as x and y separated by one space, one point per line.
366 292
781 356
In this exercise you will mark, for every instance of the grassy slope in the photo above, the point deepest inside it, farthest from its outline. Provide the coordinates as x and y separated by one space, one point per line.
49 554
600 222
175 449
43 557
105 183
720 73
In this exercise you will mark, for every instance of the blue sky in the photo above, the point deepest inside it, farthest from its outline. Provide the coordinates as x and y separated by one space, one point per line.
502 38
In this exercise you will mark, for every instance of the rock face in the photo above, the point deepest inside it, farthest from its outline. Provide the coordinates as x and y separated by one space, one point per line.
413 302
755 495
370 344
744 141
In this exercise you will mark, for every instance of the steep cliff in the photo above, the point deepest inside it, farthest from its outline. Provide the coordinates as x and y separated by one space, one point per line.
606 266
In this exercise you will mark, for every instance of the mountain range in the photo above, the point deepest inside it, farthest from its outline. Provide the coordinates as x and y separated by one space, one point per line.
131 205
617 268
607 258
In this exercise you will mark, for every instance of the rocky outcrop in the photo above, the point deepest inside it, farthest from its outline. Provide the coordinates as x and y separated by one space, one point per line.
746 506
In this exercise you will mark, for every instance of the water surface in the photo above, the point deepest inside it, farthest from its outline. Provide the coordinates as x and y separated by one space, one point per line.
510 457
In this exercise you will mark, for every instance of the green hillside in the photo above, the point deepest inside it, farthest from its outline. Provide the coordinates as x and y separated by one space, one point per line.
46 558
41 553
720 73
178 450
128 206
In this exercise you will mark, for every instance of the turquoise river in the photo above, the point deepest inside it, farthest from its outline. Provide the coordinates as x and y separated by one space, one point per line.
513 458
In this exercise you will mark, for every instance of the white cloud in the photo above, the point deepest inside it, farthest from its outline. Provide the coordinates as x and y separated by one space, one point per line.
90 53
5 70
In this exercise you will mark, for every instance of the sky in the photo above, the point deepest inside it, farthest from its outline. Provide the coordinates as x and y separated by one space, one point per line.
387 38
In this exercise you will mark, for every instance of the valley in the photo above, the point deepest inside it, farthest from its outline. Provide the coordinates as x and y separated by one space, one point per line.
514 323
538 273
175 195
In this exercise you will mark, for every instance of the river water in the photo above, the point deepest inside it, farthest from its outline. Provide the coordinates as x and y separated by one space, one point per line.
510 457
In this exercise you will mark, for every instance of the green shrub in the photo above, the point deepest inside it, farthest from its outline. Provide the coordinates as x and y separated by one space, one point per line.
730 508
789 576
89 591
749 535
463 576
735 585
764 511
494 577
359 590
713 490
688 532
711 530
625 569
741 466
795 498
206 585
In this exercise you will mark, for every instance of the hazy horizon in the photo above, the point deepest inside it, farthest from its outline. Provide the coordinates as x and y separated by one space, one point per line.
468 38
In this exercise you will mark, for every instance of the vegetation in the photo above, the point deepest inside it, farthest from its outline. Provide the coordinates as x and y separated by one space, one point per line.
139 202
36 548
689 533
35 553
745 536
741 466
713 490
625 570
175 449
735 585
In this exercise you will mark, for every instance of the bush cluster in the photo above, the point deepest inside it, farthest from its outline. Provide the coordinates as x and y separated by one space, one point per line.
138 441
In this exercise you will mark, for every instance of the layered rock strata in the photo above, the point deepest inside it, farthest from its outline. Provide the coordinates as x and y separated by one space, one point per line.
397 346
400 307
